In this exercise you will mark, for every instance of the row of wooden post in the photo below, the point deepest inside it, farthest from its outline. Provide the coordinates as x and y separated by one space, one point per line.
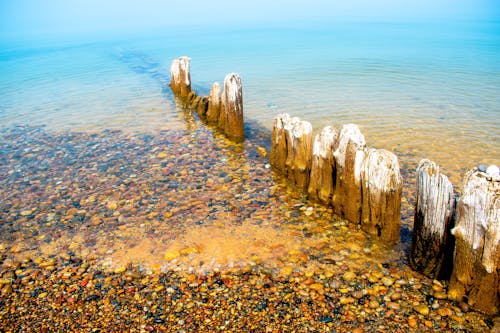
459 238
224 109
455 238
363 185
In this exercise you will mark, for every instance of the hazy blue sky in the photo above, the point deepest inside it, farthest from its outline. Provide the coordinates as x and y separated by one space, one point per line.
42 16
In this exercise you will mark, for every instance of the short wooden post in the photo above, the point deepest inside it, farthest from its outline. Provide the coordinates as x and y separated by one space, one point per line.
349 156
432 243
214 104
382 185
279 148
202 107
476 273
180 81
231 115
322 178
299 155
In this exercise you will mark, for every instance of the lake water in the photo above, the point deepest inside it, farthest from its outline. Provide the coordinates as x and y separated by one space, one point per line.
420 90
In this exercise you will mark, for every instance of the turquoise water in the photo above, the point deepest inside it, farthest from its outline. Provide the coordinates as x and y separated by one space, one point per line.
421 90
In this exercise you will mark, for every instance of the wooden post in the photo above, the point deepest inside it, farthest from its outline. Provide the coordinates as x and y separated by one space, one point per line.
349 156
202 107
432 243
231 115
476 273
279 148
299 152
381 194
214 104
180 81
322 178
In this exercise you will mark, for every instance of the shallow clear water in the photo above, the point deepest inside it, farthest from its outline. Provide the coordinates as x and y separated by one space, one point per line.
421 90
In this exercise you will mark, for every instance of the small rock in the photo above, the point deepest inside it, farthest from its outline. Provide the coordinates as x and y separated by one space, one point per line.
161 155
316 286
396 297
171 255
412 322
349 276
493 171
440 295
286 271
444 312
387 281
422 309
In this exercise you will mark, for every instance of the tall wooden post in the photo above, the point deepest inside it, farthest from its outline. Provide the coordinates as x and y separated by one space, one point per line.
322 178
279 148
231 115
299 146
432 243
382 185
214 104
476 273
349 156
180 81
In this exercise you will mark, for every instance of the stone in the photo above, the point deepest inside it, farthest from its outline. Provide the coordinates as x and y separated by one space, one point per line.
422 309
349 276
493 171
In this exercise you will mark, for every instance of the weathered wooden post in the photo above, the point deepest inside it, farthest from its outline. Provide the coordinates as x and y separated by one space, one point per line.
432 243
231 114
279 148
381 185
322 178
299 145
349 156
476 273
180 81
214 104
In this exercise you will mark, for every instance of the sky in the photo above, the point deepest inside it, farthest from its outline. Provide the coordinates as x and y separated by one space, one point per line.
25 17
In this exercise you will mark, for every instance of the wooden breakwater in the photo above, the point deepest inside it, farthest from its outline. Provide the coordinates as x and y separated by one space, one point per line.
363 185
222 108
453 238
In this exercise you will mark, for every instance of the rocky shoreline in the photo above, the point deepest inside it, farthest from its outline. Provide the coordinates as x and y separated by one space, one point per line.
183 231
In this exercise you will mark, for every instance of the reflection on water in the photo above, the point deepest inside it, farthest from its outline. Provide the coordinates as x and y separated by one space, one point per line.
178 199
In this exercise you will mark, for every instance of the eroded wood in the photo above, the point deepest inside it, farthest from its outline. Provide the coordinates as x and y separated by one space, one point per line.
299 152
349 156
475 276
231 120
322 179
180 81
381 194
432 243
214 104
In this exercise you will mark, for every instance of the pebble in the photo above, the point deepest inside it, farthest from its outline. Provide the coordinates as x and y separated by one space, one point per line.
412 322
349 276
422 309
387 281
493 171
